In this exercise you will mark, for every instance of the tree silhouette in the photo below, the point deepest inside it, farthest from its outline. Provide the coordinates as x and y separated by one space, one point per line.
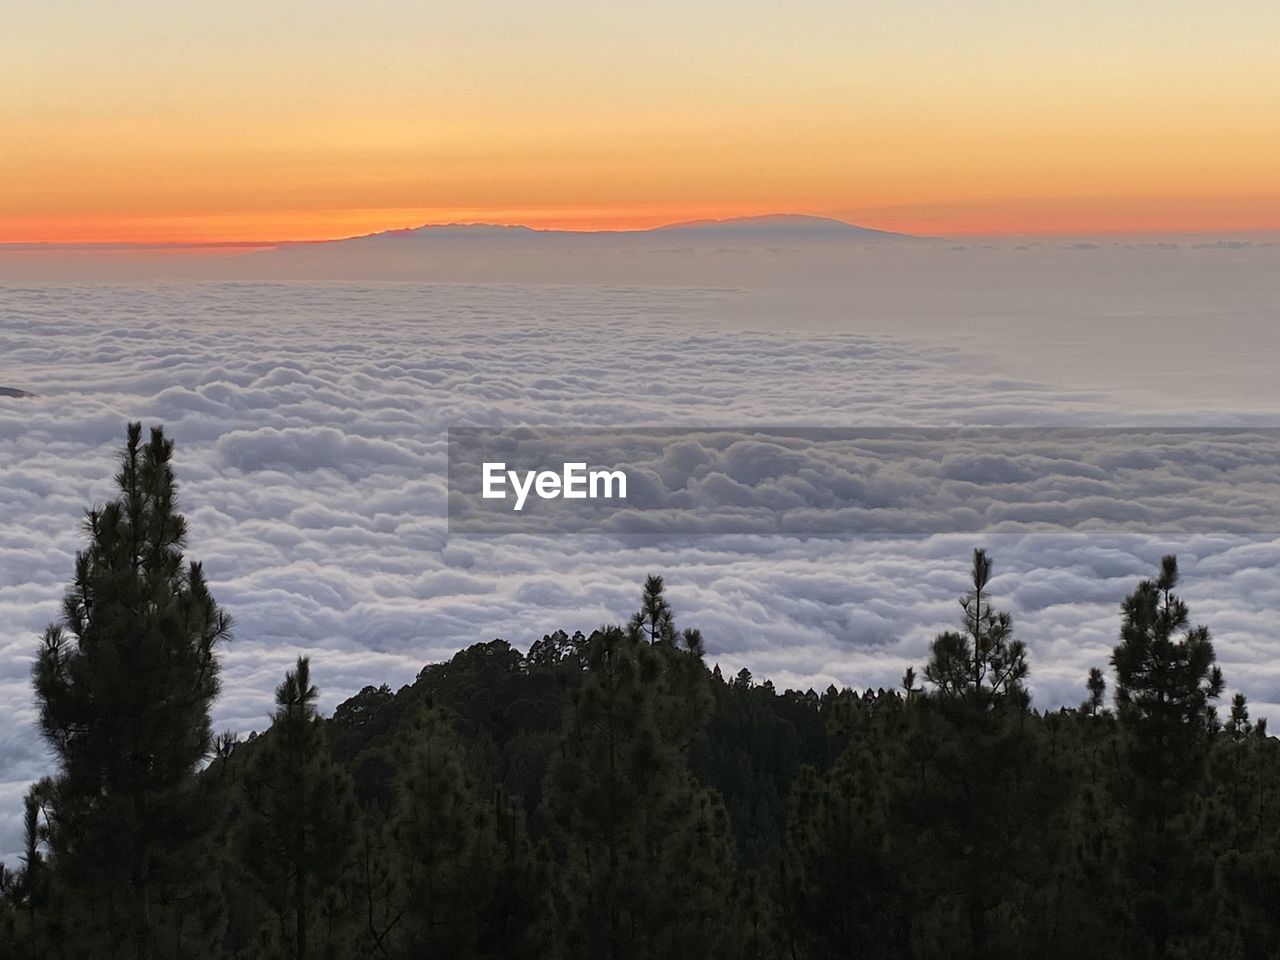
654 620
1166 682
983 661
124 683
971 819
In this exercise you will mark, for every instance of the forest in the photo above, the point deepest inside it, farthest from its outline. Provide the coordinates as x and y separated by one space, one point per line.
614 797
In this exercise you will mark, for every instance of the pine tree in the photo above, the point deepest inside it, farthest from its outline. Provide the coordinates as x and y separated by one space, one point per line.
973 818
1097 687
983 662
1166 682
297 824
124 684
654 621
1166 678
682 684
1238 726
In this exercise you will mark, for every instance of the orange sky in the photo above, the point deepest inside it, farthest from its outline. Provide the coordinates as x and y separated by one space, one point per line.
248 121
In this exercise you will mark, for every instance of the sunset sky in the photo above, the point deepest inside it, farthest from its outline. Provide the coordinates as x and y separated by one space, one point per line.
162 121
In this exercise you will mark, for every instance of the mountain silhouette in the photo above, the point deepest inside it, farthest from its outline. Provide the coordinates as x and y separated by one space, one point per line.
764 230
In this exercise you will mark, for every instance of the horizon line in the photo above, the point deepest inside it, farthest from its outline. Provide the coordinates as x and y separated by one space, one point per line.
245 244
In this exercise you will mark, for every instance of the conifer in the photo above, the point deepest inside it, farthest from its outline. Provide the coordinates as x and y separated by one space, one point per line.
124 683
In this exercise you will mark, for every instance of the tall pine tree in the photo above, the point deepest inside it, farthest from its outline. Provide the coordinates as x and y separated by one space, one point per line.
124 684
1166 684
970 817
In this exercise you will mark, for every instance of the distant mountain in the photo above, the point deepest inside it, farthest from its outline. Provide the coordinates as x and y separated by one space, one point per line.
790 226
14 392
766 230
727 253
453 231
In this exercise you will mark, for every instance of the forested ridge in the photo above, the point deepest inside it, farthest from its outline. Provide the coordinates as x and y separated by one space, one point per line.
612 796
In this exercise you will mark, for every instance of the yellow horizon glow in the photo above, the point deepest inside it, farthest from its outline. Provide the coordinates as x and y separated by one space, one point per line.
291 121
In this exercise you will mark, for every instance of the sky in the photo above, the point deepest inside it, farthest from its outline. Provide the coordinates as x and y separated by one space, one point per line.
251 121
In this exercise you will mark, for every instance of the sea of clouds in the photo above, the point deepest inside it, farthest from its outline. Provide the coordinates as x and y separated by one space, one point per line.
311 420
